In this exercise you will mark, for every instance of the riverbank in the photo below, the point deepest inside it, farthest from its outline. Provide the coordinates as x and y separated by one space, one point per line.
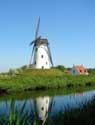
30 79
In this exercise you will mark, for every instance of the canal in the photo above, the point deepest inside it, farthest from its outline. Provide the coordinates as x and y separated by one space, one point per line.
48 108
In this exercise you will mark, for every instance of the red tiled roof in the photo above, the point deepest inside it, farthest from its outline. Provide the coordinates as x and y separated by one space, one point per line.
81 69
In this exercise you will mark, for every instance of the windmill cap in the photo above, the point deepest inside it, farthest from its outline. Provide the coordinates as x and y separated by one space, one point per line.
42 41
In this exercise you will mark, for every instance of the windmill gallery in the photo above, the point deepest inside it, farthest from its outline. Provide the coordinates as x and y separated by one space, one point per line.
41 56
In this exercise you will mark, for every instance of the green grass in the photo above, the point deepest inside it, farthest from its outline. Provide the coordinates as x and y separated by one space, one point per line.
31 79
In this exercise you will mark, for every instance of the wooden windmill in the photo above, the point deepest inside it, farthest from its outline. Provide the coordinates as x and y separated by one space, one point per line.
41 56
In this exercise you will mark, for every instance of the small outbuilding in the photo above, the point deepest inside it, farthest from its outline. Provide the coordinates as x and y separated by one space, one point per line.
78 70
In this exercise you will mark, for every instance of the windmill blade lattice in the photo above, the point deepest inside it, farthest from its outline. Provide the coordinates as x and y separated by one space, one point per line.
34 41
32 55
37 29
49 52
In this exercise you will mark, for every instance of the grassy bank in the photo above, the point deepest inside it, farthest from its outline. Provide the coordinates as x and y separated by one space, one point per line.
30 79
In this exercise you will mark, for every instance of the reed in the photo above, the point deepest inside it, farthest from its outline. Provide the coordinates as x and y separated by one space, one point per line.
84 113
16 115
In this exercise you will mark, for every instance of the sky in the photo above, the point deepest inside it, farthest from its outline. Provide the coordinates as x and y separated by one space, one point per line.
69 26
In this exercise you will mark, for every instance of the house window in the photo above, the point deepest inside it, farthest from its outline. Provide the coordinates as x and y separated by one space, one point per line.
42 56
80 70
85 70
42 67
46 63
73 71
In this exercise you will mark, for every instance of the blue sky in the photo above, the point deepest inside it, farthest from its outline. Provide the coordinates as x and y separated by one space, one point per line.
69 26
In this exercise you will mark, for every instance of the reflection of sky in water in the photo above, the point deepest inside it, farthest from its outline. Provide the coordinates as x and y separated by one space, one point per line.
5 106
73 100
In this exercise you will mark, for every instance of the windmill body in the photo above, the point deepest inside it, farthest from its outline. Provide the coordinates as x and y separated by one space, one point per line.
41 55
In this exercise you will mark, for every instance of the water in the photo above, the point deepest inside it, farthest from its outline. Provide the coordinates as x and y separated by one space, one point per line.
45 107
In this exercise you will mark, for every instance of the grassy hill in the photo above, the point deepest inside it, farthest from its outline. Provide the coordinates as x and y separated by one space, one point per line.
36 79
42 73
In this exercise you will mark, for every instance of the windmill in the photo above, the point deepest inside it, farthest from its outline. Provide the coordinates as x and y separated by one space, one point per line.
41 55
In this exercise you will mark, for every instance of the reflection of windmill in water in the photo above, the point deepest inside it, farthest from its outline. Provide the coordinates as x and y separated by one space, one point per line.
43 107
41 55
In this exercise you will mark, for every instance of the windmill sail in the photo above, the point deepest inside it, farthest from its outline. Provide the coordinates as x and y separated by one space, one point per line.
34 41
49 52
37 29
32 55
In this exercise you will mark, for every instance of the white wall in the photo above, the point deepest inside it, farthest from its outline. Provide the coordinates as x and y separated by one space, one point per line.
74 71
38 61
